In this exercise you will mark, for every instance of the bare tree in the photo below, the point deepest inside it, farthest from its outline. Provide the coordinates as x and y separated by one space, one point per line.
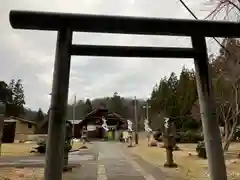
230 114
227 86
226 9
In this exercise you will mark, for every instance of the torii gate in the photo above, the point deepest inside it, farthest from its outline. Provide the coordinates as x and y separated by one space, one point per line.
66 24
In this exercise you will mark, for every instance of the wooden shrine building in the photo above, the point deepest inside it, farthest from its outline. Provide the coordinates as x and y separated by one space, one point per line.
93 122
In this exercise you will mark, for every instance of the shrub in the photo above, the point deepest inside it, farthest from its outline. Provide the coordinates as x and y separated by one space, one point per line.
152 144
175 148
190 124
182 137
41 148
237 134
157 136
188 137
201 150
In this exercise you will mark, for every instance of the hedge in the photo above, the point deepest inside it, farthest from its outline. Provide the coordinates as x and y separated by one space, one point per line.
189 137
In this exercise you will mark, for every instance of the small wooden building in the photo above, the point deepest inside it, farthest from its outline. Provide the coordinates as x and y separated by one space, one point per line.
17 129
93 122
76 127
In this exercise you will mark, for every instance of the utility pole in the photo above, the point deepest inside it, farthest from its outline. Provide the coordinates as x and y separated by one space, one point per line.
74 114
136 120
147 106
3 108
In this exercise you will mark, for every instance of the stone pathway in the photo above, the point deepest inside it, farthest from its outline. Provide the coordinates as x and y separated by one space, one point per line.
103 161
114 163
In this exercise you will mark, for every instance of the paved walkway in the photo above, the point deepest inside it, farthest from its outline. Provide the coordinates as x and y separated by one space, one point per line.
103 161
113 163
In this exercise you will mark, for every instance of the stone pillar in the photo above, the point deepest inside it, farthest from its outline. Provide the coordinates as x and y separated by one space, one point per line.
169 142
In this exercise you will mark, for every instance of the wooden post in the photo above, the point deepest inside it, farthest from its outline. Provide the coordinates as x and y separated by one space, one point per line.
2 113
212 137
136 120
1 131
57 122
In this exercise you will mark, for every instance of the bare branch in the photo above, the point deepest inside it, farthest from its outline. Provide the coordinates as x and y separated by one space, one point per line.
233 4
216 11
227 5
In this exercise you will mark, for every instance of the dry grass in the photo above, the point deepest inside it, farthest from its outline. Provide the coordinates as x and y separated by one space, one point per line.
17 149
76 145
21 149
189 166
27 174
21 173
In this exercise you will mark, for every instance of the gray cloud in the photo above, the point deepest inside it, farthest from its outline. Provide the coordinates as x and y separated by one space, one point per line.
29 55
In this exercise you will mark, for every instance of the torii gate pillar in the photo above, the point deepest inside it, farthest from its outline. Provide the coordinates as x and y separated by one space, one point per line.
59 98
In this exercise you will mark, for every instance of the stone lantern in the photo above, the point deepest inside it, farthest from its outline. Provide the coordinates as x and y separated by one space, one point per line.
67 145
169 142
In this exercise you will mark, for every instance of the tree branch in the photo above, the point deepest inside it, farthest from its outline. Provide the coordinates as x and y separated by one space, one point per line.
233 4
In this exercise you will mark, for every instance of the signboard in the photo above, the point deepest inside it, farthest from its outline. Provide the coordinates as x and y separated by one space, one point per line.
91 127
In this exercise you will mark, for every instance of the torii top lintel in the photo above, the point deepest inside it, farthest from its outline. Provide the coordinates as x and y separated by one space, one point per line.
122 24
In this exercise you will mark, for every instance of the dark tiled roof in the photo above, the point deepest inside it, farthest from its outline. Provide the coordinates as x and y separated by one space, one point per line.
21 119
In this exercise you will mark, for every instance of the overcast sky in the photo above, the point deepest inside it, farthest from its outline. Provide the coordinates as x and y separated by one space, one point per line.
29 55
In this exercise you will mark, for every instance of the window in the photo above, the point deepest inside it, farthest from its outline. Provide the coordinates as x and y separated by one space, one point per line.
29 125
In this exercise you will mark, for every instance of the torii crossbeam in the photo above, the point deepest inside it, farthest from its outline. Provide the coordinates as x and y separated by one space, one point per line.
66 24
